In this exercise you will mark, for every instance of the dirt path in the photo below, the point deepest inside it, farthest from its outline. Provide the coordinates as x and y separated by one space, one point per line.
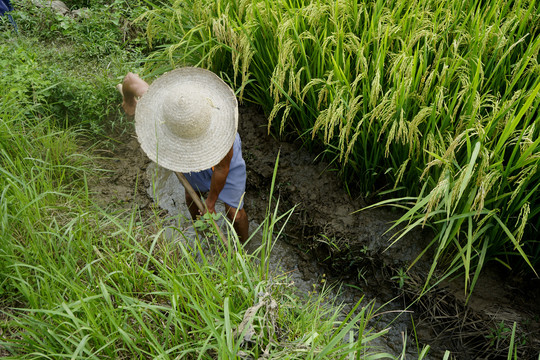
323 223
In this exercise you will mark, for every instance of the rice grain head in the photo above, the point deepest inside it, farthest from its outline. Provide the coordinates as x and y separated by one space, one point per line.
521 180
521 222
401 172
484 188
439 192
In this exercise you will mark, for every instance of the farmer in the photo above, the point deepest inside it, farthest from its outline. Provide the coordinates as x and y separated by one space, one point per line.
186 121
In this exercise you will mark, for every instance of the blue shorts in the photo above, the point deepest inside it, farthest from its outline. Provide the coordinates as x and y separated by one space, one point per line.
235 185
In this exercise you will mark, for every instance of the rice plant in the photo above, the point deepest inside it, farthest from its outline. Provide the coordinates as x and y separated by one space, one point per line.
434 102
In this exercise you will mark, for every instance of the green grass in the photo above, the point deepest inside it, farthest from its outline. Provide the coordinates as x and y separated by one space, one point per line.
433 102
48 83
68 66
79 282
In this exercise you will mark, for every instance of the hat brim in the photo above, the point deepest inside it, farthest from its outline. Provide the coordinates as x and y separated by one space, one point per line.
180 154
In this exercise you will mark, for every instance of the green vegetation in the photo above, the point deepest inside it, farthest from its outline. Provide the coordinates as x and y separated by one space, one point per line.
433 104
82 282
79 282
59 73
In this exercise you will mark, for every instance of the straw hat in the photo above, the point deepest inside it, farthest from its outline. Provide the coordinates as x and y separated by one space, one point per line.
187 120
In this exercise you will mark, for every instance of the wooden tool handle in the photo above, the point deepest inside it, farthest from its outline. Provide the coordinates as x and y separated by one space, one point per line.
197 199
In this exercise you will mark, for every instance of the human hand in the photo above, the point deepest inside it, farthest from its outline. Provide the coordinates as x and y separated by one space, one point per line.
209 208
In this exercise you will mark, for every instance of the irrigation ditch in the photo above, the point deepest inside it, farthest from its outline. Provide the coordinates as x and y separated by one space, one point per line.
328 243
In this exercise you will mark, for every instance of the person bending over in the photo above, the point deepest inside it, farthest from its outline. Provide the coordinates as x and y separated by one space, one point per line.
186 121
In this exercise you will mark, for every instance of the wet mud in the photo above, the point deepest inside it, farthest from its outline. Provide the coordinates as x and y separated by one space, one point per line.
328 243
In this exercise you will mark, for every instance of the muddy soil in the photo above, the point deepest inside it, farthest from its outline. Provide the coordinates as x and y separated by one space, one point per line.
352 247
327 241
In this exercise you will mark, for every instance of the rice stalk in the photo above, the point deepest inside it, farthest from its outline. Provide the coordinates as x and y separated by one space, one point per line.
437 94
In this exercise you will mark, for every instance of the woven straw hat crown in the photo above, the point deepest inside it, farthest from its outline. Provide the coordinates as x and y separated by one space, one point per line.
187 120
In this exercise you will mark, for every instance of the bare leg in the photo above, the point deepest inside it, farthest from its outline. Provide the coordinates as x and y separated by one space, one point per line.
240 222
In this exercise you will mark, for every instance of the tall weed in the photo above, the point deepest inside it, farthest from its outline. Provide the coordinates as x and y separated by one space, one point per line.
78 282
